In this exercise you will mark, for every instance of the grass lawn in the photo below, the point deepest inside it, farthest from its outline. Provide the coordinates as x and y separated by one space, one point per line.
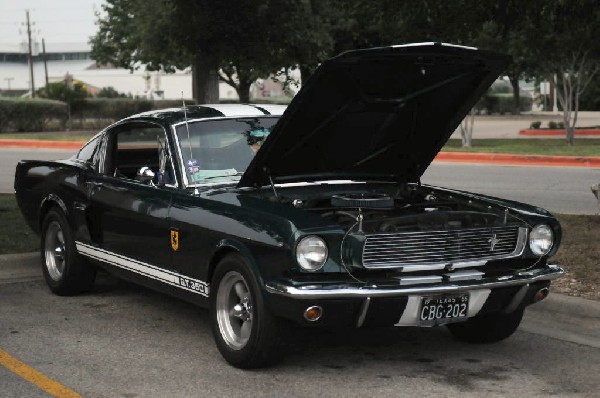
532 146
15 234
579 253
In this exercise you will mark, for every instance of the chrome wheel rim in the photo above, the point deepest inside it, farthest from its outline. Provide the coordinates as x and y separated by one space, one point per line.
234 310
54 251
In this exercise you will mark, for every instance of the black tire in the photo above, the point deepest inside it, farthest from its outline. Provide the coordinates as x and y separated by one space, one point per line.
264 345
66 273
488 328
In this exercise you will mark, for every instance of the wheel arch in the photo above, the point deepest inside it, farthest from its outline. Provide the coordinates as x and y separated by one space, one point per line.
231 246
50 201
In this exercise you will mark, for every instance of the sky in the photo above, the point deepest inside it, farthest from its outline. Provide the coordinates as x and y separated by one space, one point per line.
59 21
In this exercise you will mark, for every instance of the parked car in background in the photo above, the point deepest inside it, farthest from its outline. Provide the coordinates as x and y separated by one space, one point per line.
311 215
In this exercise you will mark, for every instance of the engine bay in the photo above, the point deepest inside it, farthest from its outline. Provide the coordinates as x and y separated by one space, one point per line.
413 208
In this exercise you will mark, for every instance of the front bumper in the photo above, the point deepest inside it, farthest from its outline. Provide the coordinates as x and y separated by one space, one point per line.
354 290
356 304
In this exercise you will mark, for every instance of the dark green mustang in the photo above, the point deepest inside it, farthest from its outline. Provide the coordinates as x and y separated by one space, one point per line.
310 215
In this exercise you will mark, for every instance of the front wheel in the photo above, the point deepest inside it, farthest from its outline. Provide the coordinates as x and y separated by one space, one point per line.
64 270
488 328
246 333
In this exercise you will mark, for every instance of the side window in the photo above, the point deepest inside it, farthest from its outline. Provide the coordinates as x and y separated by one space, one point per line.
86 154
138 146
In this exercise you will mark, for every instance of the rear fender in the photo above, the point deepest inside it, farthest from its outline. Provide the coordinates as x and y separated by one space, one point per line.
48 202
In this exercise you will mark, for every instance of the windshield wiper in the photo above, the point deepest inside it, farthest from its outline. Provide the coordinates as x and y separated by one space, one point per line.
238 174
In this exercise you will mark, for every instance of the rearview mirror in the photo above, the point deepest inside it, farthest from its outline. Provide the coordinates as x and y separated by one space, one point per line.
144 174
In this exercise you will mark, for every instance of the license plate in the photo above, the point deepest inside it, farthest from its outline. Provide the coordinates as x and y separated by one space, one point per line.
438 310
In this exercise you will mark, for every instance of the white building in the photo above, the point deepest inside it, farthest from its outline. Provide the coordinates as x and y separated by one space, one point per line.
74 59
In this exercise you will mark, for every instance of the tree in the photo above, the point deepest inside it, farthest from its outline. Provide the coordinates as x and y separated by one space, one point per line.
567 47
505 30
173 34
305 33
73 93
457 22
135 32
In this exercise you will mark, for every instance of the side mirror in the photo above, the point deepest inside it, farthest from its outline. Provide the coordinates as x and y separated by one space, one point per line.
145 174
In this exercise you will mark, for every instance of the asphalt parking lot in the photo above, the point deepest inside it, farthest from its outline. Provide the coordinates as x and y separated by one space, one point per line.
125 341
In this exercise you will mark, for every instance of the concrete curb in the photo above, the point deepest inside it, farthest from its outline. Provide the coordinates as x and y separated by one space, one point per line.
20 267
17 143
558 132
460 157
565 318
518 160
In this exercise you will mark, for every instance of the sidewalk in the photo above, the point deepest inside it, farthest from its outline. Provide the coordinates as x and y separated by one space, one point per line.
508 126
561 317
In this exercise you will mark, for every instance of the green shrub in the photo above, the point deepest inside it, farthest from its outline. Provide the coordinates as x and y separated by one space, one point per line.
262 100
535 125
73 95
24 114
119 108
98 112
560 125
110 92
552 124
501 103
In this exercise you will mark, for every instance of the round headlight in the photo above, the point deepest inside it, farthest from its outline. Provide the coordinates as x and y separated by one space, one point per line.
311 253
541 239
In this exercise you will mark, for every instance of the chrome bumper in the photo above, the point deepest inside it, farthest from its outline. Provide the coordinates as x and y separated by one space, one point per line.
317 291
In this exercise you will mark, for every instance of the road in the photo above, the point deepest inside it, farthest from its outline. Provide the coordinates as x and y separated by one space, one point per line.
508 126
126 341
558 189
9 157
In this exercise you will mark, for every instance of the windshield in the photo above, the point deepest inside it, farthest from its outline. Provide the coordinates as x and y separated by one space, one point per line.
219 151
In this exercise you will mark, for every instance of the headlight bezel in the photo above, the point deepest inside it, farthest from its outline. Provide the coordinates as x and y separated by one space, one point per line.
538 233
303 248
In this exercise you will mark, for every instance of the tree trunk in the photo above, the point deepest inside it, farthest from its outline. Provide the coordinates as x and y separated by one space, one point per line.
305 73
514 82
243 91
205 82
570 136
466 129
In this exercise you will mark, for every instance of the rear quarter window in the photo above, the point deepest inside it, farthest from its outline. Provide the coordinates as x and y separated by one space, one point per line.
86 154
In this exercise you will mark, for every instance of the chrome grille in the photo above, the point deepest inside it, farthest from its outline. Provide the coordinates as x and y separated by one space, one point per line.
427 250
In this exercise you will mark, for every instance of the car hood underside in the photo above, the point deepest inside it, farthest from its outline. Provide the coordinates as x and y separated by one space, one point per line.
380 113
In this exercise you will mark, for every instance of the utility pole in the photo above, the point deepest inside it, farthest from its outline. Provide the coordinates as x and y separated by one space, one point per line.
30 55
45 60
555 104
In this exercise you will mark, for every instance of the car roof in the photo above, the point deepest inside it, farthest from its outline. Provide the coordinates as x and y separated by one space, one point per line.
194 112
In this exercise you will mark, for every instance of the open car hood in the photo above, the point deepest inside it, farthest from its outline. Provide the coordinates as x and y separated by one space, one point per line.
381 113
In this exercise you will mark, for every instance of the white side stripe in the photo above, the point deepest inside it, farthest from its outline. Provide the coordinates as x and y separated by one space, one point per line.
150 271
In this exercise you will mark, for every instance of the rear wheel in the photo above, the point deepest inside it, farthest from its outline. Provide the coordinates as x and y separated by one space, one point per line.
488 328
64 270
245 332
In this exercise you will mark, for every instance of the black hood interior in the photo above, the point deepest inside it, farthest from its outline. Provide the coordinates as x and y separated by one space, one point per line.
381 113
